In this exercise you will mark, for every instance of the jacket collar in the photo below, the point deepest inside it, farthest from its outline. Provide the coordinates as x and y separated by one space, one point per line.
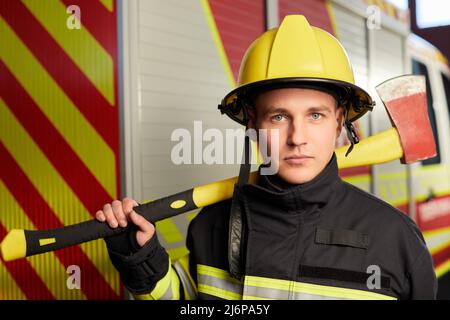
293 197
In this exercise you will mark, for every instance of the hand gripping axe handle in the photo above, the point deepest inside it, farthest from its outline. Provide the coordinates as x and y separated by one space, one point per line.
410 139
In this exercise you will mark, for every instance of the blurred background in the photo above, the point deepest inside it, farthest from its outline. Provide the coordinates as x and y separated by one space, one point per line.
92 90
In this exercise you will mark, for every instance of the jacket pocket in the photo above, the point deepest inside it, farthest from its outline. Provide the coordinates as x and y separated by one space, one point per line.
338 248
348 238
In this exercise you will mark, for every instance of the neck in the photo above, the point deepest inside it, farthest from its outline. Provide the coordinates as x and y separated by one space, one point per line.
273 190
277 183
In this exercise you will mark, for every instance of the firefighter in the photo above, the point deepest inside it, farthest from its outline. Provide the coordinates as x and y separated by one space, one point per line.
301 233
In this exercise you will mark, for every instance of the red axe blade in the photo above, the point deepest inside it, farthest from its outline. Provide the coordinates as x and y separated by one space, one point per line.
399 95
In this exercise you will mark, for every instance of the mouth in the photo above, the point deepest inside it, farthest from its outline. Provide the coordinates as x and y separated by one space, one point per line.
297 159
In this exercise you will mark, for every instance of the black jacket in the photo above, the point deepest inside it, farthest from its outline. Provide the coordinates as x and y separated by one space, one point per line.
324 239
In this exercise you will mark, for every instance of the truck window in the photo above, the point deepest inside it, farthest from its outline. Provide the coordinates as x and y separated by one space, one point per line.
420 68
446 82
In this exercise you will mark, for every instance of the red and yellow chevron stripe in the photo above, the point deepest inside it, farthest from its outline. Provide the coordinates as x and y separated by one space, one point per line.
58 140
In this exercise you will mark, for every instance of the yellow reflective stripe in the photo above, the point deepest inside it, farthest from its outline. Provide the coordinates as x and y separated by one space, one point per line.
175 285
339 292
314 289
182 268
217 292
268 283
164 286
53 189
146 296
222 285
250 297
218 282
47 266
184 261
216 273
86 142
79 45
168 288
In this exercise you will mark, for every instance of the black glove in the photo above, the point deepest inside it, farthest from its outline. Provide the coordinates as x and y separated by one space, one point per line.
140 267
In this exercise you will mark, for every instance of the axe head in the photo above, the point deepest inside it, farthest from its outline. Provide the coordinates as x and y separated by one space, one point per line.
405 100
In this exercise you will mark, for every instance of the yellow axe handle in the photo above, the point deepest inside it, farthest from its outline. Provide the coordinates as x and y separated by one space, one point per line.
380 148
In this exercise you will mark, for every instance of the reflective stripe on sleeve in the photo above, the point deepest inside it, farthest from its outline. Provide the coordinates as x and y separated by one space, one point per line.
168 288
181 266
218 283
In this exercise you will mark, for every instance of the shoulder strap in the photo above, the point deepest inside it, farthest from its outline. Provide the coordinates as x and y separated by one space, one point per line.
236 255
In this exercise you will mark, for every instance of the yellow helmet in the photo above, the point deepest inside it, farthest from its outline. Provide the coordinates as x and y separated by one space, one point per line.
296 55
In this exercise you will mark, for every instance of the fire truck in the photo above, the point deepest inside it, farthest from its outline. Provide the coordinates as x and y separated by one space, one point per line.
91 93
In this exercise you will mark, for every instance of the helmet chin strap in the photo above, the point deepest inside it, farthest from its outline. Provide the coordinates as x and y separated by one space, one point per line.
244 170
351 132
237 229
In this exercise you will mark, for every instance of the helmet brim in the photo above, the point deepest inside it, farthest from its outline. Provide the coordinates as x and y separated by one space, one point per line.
350 96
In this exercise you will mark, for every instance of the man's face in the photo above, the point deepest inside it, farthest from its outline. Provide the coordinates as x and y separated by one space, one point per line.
308 124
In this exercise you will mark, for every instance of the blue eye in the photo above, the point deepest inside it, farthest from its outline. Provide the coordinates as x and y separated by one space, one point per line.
316 116
278 117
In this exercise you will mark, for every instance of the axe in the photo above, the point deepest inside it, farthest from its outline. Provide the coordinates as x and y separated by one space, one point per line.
411 139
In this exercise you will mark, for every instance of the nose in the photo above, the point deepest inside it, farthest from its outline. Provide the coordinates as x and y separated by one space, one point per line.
297 134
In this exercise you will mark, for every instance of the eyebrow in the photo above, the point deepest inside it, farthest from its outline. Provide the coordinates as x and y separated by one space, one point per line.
276 110
320 108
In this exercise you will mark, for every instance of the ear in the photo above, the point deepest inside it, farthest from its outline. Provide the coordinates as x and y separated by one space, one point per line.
339 120
251 124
